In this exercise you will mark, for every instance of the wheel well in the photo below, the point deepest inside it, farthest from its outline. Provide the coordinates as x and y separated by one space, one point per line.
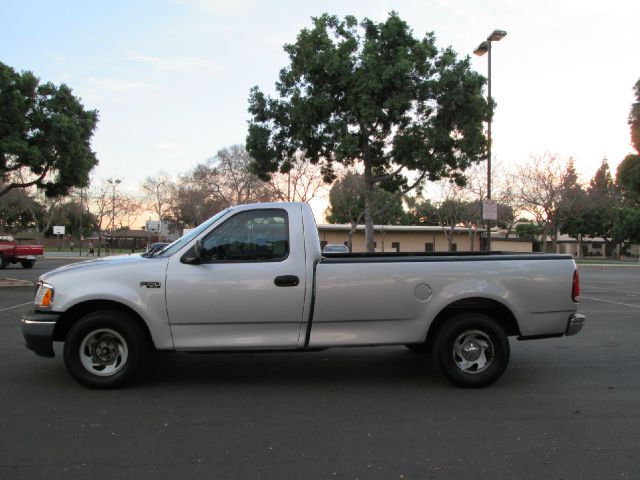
491 308
68 318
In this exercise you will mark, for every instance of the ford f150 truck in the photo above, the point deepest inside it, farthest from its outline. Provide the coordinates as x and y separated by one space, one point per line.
11 252
253 278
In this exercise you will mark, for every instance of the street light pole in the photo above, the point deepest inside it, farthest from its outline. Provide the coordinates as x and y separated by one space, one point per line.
485 47
80 236
113 184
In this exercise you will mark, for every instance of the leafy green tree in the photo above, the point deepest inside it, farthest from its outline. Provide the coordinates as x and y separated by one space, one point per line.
628 176
634 118
528 231
627 226
372 93
45 135
628 173
421 211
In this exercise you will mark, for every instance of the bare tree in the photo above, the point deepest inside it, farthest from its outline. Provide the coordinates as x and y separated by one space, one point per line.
302 183
100 200
543 187
192 203
227 177
158 194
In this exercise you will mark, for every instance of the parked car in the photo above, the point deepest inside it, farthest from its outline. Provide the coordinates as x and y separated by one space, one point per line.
156 247
253 278
335 248
11 252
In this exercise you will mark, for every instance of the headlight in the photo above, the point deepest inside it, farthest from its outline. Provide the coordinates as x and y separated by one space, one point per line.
44 296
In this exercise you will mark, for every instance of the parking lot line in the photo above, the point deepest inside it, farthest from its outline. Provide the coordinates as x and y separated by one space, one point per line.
610 301
15 306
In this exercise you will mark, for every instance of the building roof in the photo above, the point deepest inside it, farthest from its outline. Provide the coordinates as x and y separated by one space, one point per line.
341 227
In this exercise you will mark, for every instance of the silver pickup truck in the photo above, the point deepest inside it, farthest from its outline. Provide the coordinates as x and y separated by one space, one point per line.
253 278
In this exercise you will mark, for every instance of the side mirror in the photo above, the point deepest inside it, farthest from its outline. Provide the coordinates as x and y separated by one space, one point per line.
193 255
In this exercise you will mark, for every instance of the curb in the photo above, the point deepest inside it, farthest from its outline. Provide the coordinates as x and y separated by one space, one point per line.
14 282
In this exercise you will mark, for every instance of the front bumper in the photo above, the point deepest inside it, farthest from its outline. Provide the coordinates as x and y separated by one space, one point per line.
575 323
37 329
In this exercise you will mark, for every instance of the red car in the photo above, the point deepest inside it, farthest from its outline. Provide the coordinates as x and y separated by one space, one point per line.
10 252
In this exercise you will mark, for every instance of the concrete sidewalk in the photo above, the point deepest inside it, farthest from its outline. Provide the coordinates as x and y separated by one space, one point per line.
54 254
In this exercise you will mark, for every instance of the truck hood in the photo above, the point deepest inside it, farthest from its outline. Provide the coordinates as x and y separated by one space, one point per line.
96 266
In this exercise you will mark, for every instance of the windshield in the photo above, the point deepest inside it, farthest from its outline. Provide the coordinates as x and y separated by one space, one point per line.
183 240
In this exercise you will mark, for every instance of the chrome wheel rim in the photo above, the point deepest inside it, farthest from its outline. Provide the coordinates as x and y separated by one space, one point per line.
103 352
473 351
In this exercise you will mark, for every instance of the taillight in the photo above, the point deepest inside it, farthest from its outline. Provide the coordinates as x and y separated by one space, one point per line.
575 289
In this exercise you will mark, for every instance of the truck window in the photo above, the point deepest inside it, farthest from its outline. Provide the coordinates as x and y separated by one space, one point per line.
256 235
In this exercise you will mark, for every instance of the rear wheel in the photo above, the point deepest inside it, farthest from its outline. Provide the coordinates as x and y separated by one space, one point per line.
27 263
105 349
472 350
3 262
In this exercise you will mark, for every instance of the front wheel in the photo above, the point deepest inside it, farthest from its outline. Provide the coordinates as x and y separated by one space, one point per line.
3 262
105 349
472 350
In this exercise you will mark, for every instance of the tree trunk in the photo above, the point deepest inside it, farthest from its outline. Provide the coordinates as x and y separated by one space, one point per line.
368 190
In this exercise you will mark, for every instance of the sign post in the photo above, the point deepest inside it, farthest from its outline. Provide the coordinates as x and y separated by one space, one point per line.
59 231
489 214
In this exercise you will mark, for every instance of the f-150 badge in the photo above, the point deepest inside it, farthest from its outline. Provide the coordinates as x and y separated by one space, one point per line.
150 284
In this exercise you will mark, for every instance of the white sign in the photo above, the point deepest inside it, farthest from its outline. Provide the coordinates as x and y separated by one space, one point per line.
489 210
58 230
153 225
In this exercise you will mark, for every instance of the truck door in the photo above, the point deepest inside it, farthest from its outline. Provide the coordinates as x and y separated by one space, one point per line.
248 292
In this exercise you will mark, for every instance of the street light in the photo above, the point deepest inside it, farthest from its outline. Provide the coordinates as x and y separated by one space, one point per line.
485 47
114 183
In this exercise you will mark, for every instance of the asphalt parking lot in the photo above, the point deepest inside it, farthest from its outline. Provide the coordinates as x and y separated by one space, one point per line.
566 408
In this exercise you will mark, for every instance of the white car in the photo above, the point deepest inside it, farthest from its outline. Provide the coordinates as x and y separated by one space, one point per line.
335 248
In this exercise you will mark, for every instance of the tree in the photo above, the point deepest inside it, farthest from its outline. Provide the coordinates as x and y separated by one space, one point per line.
602 205
45 135
346 201
15 212
572 202
301 183
158 193
628 173
70 217
528 231
628 176
371 93
193 203
548 193
228 177
634 118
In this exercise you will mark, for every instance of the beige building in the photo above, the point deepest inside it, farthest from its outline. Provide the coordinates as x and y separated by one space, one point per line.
400 238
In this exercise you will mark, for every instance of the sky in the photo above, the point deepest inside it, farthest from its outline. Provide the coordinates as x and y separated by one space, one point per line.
171 78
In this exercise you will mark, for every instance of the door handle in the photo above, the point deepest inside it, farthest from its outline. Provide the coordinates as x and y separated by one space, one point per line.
286 281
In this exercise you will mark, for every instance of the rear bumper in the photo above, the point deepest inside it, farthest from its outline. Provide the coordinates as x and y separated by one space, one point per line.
37 329
575 324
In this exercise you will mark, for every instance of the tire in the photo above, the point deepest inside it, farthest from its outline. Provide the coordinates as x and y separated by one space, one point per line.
27 263
471 350
105 349
3 262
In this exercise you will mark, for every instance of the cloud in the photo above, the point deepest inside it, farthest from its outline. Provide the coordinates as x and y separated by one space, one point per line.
57 57
120 85
218 6
164 146
173 63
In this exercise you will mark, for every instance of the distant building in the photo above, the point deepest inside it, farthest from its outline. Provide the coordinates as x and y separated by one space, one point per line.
401 238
